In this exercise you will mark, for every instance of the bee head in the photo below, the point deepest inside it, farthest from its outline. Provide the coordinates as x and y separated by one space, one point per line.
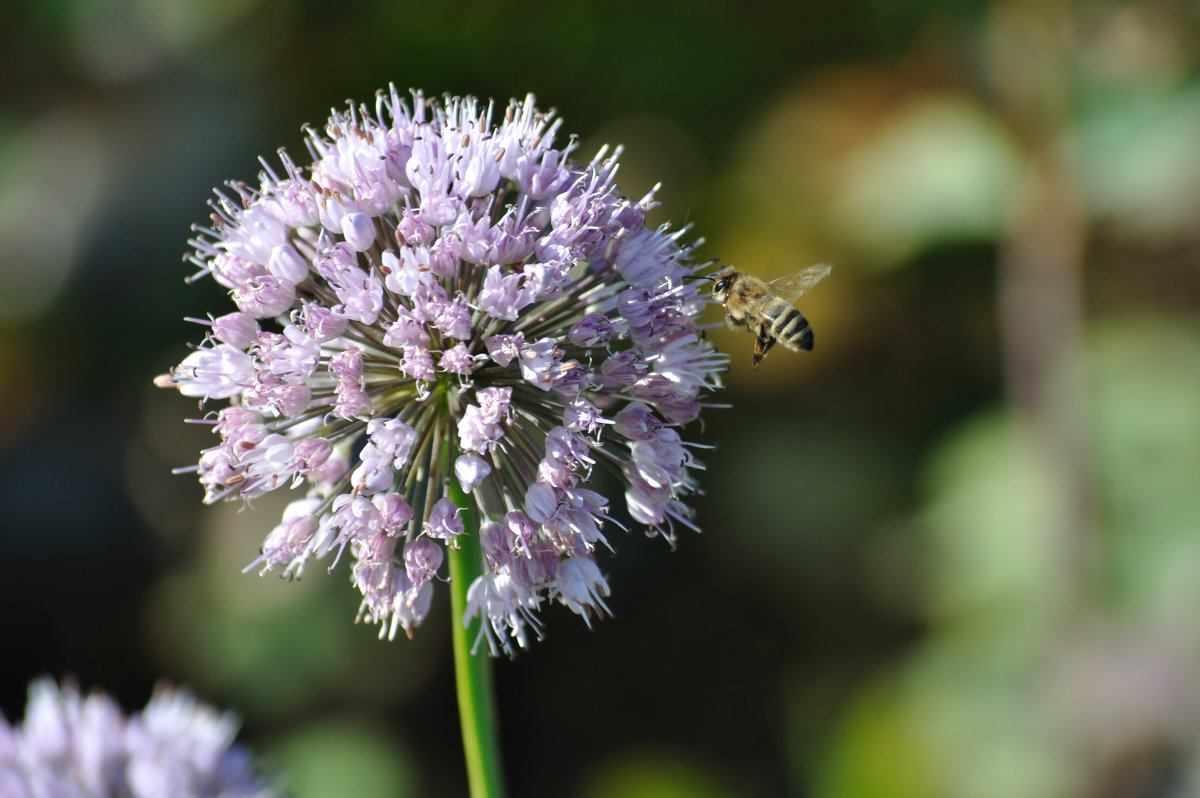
722 280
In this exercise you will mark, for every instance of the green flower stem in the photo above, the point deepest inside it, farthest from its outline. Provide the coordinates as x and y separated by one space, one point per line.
472 673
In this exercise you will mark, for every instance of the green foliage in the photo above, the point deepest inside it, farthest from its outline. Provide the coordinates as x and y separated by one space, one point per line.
657 774
344 756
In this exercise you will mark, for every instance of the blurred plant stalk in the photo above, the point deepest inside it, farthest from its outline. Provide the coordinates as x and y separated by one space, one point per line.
1041 270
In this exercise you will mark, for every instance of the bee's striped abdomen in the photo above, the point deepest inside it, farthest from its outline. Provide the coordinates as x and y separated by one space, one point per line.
788 325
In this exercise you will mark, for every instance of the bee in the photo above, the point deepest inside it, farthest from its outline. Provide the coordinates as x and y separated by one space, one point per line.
765 309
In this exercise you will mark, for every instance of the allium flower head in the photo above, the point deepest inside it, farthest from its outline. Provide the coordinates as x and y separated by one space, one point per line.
442 299
84 747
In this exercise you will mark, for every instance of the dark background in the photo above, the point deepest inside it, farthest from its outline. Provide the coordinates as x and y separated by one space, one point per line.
953 552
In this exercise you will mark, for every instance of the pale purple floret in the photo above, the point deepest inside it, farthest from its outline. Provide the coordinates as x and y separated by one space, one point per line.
416 362
72 745
351 400
444 522
504 349
503 294
219 372
471 469
457 360
591 331
581 586
236 329
541 502
321 323
394 512
422 559
445 297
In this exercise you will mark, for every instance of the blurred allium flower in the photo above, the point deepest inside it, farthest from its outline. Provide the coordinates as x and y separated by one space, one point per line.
439 298
75 747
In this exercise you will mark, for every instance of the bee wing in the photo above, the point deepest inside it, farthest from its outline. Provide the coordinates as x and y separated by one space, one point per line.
791 286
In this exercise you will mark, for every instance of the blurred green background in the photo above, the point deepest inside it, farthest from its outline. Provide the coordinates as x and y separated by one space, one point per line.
953 552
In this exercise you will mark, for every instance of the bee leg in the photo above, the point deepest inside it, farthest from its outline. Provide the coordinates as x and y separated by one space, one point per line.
762 345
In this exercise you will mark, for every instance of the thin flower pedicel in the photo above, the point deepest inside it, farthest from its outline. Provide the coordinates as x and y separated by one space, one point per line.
437 283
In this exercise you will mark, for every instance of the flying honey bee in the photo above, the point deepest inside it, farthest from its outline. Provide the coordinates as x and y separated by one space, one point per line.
765 309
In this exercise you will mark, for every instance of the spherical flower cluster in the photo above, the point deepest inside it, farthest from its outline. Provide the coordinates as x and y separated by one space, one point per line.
81 747
441 303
